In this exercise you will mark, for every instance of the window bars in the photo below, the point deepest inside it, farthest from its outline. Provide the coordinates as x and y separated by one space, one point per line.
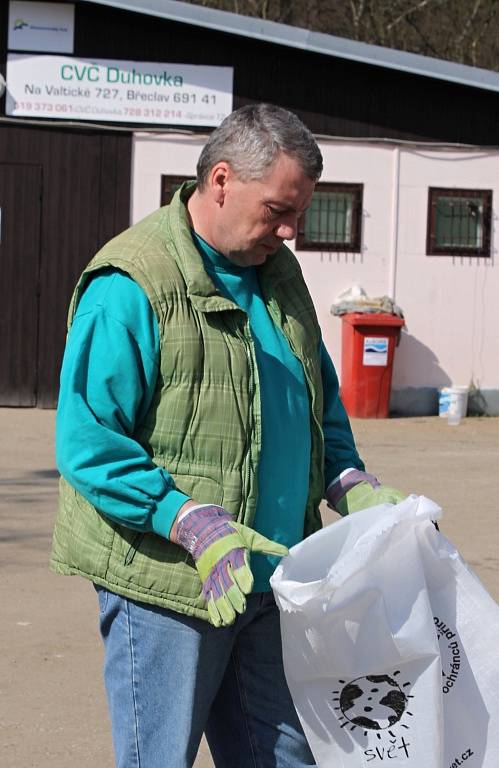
459 222
334 220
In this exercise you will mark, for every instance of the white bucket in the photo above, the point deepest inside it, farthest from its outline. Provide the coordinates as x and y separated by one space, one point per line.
458 405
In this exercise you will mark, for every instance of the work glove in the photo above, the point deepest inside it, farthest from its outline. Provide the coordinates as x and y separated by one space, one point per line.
358 490
221 550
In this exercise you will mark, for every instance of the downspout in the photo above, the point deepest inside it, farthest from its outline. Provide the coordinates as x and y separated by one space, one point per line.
392 275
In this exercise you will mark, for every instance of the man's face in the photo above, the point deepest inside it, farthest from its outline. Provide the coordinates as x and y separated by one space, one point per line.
255 217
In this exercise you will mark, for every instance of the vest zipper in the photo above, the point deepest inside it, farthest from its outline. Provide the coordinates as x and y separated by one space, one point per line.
247 345
132 550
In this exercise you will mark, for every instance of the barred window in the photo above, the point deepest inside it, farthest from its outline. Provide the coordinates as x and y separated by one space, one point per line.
459 222
169 185
333 221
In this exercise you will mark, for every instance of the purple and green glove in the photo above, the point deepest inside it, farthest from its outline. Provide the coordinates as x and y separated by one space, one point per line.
358 490
221 549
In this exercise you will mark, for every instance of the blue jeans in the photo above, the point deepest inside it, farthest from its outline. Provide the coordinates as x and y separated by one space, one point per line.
169 678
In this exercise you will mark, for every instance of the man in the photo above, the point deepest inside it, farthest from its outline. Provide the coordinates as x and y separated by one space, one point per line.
199 422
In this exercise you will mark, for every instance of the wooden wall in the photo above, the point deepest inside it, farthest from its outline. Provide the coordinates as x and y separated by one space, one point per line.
84 201
333 96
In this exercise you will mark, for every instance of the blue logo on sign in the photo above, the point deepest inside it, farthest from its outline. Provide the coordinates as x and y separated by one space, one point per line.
376 346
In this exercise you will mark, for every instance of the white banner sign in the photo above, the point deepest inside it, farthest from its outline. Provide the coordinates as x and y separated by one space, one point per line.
41 27
118 91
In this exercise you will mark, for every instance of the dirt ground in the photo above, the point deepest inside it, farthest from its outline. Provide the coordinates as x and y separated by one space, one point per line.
52 706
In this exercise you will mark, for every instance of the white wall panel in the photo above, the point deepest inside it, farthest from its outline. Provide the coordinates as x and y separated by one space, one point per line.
451 304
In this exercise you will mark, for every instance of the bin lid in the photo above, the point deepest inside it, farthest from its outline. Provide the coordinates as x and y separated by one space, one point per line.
373 318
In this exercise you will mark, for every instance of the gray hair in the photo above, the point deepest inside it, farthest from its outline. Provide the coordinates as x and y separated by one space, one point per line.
251 138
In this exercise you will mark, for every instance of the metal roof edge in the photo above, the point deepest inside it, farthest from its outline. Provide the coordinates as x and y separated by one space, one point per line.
315 42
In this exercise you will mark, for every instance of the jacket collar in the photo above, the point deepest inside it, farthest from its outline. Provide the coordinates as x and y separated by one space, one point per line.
200 288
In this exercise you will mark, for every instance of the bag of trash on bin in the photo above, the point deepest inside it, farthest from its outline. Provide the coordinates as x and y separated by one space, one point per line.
390 644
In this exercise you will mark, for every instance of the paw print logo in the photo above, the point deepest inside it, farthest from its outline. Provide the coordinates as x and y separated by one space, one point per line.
375 703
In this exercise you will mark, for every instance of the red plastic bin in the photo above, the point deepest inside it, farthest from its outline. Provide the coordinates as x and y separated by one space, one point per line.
367 352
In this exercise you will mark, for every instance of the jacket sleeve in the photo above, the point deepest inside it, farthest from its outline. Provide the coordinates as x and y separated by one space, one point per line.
340 450
108 378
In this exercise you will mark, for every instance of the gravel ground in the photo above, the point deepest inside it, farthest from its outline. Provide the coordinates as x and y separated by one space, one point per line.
52 706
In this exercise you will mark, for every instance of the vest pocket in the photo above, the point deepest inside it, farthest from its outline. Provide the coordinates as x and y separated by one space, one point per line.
132 549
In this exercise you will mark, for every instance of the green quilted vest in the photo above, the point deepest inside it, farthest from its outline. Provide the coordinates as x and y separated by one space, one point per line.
204 421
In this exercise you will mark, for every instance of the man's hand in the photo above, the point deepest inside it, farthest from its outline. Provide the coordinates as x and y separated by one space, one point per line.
358 490
220 549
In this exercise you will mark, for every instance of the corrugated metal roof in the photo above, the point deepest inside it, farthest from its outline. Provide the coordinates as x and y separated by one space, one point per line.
316 42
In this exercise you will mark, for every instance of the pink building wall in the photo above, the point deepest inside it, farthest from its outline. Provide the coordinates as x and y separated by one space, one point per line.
451 304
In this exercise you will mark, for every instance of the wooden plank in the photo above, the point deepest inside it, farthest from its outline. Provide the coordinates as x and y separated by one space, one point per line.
20 189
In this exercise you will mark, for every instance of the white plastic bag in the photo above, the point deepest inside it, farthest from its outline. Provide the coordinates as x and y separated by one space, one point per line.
390 644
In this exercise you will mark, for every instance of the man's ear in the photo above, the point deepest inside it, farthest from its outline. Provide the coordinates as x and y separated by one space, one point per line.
219 176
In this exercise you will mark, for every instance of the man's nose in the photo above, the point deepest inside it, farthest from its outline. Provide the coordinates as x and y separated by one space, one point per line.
287 228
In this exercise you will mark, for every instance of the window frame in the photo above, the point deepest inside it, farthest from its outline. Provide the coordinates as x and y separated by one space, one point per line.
355 243
484 195
167 182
